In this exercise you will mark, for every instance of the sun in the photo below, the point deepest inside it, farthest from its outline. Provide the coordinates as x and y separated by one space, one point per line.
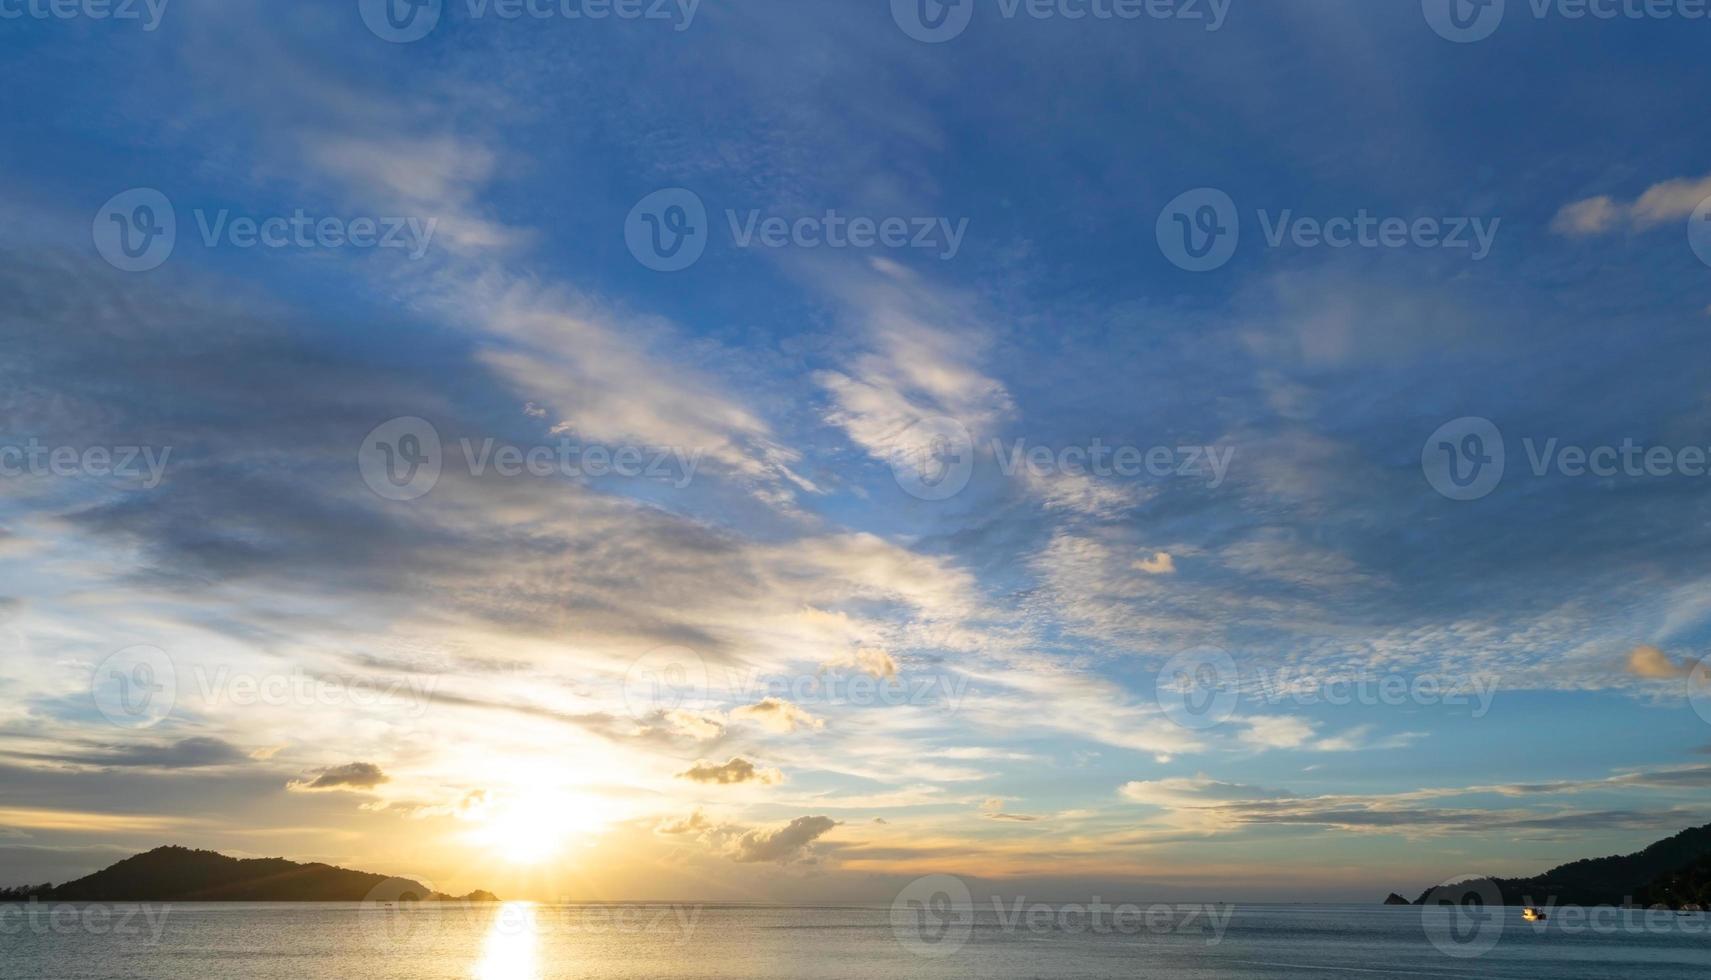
536 827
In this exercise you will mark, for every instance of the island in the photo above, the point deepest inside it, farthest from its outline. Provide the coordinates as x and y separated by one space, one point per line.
1673 873
180 874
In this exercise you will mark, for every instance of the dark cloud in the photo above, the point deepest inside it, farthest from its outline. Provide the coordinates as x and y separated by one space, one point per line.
738 770
189 753
789 843
351 776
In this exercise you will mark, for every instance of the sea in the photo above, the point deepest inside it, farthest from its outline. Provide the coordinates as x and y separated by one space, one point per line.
523 941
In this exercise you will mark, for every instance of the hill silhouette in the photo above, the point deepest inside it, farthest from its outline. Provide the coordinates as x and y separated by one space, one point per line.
1673 872
179 874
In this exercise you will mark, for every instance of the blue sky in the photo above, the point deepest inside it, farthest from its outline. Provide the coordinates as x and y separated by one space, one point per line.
811 386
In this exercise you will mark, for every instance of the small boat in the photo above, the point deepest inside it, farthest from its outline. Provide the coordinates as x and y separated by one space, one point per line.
1533 914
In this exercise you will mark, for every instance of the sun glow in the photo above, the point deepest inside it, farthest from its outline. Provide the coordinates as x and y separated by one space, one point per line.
536 827
511 951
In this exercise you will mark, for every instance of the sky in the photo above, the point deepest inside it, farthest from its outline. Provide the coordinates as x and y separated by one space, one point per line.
771 451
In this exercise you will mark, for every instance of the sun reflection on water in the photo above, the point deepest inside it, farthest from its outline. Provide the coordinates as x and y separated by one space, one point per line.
512 949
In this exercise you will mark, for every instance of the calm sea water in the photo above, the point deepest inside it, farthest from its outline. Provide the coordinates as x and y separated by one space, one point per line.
524 942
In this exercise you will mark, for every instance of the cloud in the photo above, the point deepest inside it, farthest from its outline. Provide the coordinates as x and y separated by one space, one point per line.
1653 664
189 753
702 726
1282 732
1593 216
876 662
351 776
1200 790
1161 563
787 844
778 715
1661 203
695 823
738 770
